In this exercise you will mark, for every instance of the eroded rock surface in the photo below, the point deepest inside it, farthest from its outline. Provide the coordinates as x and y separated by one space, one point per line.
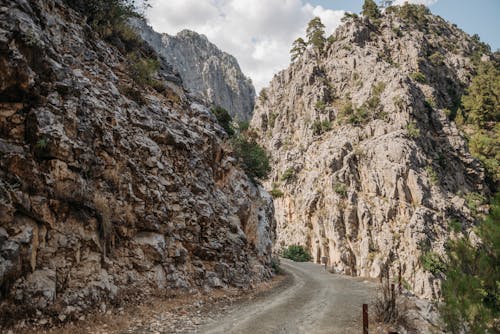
102 198
374 185
211 74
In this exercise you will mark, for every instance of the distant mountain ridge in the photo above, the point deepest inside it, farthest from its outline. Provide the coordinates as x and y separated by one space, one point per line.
206 71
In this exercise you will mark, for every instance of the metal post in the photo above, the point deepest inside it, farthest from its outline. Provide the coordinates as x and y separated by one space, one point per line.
365 318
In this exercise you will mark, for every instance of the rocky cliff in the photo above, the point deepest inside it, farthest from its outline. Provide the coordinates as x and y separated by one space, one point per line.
367 168
206 71
110 190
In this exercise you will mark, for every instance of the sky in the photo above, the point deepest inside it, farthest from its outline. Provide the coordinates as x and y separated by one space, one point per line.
259 33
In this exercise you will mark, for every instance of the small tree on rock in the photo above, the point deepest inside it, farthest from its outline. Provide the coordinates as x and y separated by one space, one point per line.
316 34
298 48
370 10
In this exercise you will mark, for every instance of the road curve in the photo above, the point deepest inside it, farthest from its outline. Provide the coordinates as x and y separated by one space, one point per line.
316 302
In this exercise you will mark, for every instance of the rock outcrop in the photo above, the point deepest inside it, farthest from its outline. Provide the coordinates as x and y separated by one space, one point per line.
206 71
110 192
371 169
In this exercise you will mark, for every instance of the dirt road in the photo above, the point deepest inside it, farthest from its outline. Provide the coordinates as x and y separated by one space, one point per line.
316 302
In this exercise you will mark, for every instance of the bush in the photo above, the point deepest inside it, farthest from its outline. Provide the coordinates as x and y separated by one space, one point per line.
320 127
224 120
296 253
276 192
432 263
142 70
471 290
340 189
412 130
276 266
431 173
418 77
263 95
288 174
253 158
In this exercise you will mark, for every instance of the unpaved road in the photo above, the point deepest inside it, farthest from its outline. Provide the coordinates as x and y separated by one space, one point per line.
316 302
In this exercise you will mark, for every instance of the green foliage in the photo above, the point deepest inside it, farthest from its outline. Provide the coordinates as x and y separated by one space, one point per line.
142 70
348 16
320 106
42 143
474 201
480 115
340 189
455 225
320 127
276 265
276 192
415 15
432 263
263 95
298 48
224 119
296 253
482 102
288 174
418 77
431 173
370 10
243 126
471 290
436 59
485 145
412 130
316 34
252 156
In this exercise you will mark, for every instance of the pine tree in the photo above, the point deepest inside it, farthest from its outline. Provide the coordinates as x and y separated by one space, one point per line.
298 48
370 10
316 34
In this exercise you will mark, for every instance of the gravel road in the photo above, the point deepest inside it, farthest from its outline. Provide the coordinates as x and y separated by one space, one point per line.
316 302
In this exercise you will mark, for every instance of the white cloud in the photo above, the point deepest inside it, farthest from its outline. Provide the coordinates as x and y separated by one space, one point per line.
258 33
417 2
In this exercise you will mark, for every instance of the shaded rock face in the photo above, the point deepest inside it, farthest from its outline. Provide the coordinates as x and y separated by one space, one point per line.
373 186
103 199
209 73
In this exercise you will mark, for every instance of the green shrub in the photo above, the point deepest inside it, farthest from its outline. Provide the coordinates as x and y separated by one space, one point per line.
296 253
474 201
243 126
320 106
263 95
436 59
253 157
432 263
431 173
471 290
276 265
142 70
224 119
412 130
418 77
320 127
340 189
276 192
288 174
455 225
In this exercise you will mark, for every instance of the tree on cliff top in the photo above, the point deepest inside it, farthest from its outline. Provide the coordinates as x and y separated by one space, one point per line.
316 34
370 10
298 48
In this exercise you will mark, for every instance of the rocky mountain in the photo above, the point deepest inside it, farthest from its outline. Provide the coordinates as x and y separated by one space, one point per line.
206 71
114 185
368 170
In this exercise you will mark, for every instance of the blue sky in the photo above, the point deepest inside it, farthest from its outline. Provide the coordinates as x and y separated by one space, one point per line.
480 17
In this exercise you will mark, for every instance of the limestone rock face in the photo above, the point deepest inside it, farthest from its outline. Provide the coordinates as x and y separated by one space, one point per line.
102 198
371 168
206 71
